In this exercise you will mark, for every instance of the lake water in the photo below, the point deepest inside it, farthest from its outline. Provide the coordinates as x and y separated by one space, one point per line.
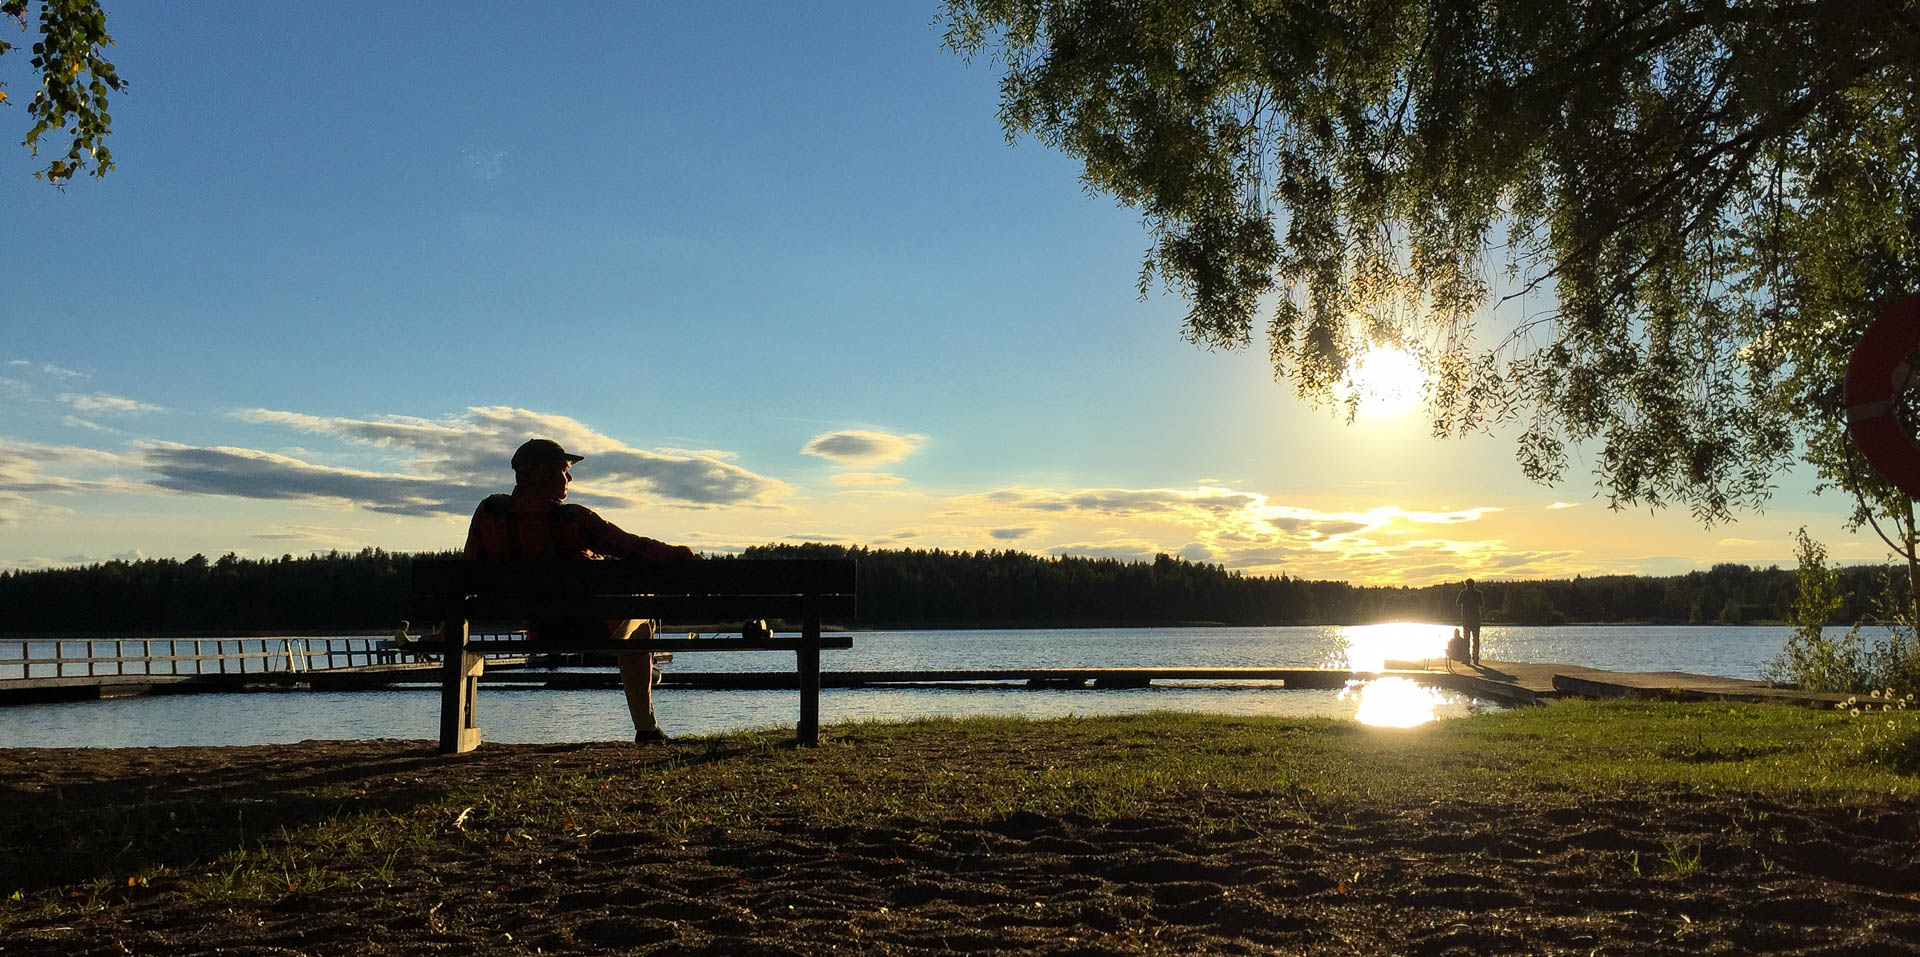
510 715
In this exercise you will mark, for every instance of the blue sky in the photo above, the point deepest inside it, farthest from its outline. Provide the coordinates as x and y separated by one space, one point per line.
774 268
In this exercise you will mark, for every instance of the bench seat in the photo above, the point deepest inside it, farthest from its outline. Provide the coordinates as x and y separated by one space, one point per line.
458 593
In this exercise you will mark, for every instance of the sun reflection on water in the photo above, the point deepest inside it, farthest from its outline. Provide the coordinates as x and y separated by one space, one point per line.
1394 702
1370 647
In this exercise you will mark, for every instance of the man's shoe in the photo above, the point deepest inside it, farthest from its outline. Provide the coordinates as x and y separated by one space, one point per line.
651 735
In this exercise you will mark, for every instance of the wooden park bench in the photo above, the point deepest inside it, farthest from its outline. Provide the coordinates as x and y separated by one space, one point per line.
460 593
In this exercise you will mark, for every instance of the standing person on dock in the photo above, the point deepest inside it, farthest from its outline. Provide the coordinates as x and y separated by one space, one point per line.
535 523
1471 603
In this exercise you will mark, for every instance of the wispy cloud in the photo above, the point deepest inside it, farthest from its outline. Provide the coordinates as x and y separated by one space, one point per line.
47 368
18 383
247 473
14 506
1011 534
104 403
1124 502
30 471
862 447
28 467
1316 527
313 534
477 445
1561 505
76 422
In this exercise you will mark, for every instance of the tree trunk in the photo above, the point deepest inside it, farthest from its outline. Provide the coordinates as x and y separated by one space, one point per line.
1913 572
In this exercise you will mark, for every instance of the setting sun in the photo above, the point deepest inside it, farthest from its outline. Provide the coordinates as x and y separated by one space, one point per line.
1387 380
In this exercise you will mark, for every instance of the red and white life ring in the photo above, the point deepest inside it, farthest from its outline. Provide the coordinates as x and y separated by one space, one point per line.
1881 368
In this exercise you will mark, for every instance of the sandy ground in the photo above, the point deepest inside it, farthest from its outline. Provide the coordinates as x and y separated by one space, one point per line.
1235 874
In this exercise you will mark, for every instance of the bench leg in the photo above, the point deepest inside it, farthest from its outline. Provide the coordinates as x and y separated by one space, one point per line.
808 733
459 691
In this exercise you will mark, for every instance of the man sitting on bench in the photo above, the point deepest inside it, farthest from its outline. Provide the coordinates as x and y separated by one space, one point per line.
535 523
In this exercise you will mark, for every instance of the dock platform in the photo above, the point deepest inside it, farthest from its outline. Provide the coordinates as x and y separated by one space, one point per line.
1507 682
1545 681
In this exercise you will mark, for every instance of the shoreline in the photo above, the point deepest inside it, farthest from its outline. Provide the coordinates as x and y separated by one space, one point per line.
375 633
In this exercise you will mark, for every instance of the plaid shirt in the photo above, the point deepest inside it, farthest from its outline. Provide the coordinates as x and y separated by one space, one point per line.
521 526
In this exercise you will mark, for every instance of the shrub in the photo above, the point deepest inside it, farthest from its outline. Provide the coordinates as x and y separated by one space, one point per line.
1813 660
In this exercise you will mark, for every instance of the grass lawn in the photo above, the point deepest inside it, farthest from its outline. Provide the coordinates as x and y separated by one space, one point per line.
389 831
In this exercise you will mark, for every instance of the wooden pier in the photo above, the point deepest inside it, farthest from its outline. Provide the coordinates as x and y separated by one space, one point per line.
64 669
371 664
1526 682
1511 683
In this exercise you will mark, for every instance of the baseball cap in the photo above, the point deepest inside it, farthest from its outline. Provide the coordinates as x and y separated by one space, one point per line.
536 451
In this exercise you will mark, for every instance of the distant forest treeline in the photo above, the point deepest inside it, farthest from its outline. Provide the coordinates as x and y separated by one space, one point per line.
367 590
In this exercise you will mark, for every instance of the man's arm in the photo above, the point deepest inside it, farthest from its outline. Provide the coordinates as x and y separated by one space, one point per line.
606 538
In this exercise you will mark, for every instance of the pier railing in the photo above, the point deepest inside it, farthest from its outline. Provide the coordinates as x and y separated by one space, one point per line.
95 657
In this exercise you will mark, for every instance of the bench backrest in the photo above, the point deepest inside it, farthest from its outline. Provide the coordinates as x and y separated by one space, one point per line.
712 589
